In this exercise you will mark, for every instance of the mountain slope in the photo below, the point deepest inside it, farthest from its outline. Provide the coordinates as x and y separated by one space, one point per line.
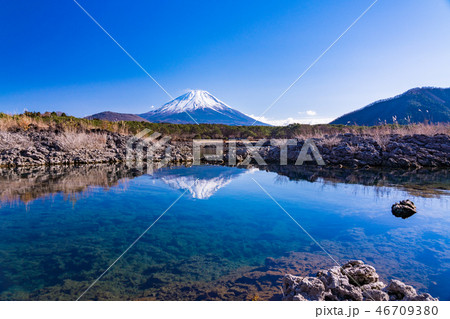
417 105
201 106
115 117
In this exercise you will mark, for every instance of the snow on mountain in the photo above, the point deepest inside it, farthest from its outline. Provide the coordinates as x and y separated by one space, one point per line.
202 182
200 106
193 100
200 189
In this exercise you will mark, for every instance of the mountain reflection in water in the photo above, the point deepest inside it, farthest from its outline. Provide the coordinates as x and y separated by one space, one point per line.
60 227
27 184
200 181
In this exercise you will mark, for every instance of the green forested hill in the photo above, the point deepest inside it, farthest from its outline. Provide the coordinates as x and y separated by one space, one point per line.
419 105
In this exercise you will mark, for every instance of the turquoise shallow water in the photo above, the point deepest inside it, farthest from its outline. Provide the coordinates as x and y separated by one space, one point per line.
55 241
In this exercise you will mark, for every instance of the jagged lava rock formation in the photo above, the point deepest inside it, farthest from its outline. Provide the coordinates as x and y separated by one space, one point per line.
355 281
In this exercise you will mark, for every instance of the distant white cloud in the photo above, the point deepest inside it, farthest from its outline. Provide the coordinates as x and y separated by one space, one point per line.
291 120
308 113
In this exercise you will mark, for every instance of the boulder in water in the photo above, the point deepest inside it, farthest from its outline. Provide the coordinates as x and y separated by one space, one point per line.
404 209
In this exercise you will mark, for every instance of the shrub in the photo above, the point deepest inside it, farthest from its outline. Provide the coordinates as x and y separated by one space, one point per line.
76 141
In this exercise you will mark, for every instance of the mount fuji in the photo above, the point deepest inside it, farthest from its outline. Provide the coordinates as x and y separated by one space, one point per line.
198 106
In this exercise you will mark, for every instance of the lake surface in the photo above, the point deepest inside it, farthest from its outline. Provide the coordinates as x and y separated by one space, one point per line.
60 228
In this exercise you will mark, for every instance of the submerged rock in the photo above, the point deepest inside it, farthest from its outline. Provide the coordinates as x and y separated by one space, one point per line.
404 209
354 281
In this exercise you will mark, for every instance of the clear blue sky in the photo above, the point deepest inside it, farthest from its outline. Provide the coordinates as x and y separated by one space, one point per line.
53 57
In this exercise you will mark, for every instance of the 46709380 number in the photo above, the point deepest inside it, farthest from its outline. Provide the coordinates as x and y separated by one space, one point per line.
408 310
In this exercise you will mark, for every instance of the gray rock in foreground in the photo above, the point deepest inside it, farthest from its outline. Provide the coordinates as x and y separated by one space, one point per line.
355 281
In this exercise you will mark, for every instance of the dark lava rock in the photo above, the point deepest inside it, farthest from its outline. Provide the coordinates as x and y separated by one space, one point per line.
404 209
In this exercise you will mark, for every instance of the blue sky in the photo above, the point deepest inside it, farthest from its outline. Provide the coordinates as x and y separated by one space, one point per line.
53 57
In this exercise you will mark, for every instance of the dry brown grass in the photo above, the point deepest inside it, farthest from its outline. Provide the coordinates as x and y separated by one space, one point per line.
10 141
425 129
381 134
120 127
187 132
331 141
327 131
381 139
23 122
77 141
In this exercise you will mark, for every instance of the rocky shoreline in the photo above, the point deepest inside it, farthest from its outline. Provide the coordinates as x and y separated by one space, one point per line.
354 281
44 147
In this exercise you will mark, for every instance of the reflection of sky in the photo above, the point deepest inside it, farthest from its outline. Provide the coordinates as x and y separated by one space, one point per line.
356 221
337 210
351 199
239 224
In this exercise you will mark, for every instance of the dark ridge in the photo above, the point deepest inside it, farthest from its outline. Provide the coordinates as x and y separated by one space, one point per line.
418 105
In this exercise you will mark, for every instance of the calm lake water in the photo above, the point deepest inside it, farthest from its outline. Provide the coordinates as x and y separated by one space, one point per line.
60 228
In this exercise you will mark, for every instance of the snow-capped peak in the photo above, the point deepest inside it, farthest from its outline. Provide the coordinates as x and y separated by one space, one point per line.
193 100
200 188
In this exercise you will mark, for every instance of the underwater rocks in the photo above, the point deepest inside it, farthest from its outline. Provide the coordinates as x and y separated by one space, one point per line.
246 283
355 281
404 209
